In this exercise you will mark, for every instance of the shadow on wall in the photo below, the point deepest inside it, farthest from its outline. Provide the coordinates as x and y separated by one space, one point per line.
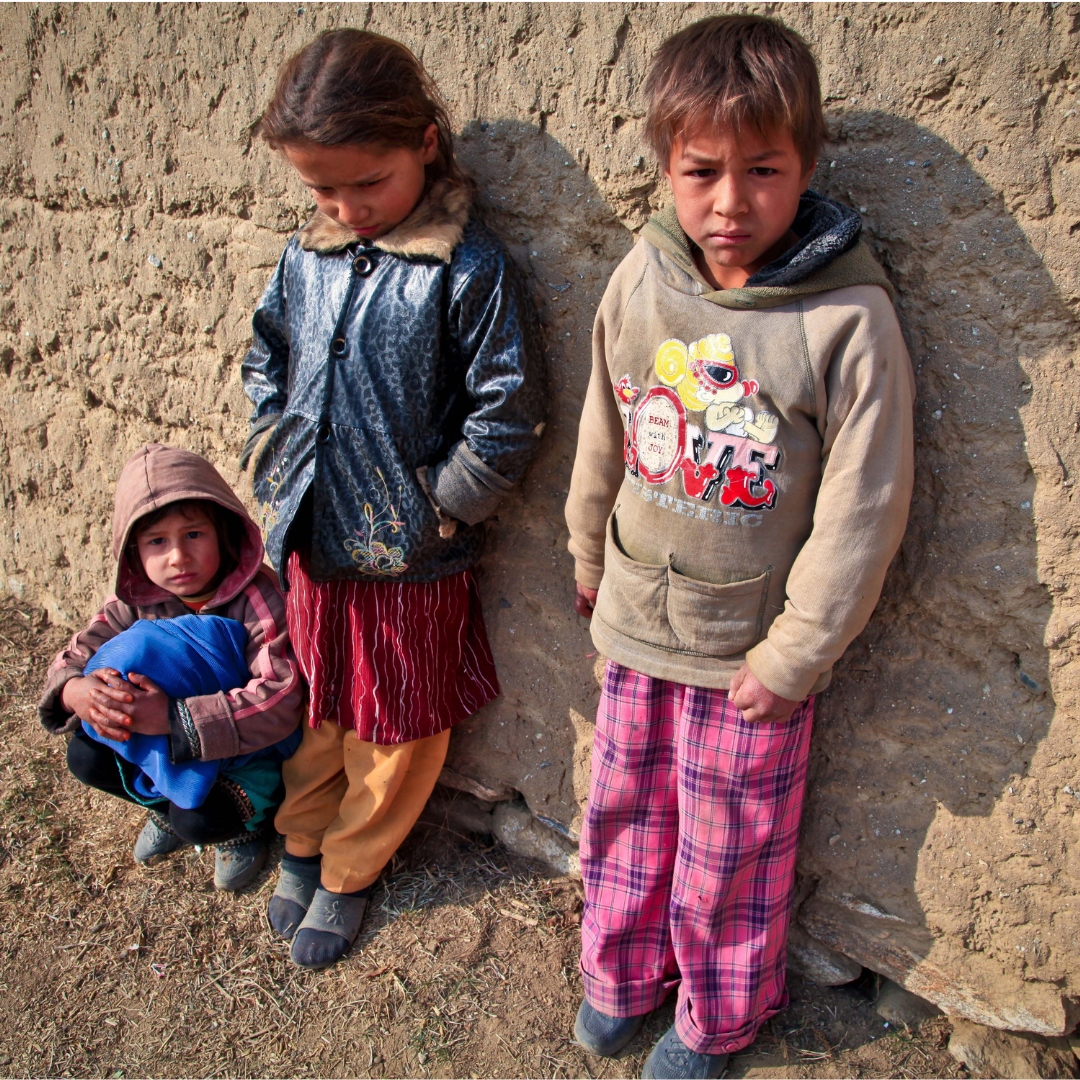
536 738
929 839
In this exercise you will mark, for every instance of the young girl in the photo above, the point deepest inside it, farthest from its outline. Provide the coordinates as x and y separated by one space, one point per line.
184 544
397 363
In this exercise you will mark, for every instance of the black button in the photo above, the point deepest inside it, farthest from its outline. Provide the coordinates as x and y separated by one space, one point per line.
338 346
322 435
362 265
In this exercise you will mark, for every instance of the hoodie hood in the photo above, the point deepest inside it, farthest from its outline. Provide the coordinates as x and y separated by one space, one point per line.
154 477
829 255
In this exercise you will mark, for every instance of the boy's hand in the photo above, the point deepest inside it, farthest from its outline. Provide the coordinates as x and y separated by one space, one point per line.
757 703
584 600
138 705
77 697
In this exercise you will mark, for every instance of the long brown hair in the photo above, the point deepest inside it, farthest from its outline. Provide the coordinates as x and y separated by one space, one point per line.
353 86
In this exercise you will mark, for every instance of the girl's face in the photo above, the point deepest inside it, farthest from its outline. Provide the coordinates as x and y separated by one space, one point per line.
367 188
180 553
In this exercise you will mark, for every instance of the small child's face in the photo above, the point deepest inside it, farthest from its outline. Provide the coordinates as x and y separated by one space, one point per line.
180 553
367 188
736 196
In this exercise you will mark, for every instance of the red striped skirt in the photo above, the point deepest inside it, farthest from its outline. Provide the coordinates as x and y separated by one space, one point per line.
396 660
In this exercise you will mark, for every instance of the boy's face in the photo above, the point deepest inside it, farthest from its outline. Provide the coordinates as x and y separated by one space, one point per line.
369 189
736 196
180 553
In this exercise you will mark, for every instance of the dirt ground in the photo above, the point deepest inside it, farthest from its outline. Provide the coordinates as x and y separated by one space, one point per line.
467 965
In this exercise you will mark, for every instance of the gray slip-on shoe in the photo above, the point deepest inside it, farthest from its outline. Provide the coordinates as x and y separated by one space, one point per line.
155 841
672 1060
295 890
604 1035
330 927
237 862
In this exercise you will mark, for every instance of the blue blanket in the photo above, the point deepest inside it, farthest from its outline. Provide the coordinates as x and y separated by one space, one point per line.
187 657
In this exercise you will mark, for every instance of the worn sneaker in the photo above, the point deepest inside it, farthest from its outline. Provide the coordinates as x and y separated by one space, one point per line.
155 840
671 1060
237 864
331 925
295 890
604 1035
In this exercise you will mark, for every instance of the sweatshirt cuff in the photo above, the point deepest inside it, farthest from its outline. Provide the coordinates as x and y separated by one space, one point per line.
588 574
777 673
466 488
215 729
51 712
184 742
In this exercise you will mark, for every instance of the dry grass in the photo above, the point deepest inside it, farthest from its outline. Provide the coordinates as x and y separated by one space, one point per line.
466 965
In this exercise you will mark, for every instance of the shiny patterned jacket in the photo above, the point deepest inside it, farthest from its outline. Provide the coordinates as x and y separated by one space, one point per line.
402 384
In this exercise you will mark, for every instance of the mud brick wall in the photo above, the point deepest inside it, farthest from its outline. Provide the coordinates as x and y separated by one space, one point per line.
139 223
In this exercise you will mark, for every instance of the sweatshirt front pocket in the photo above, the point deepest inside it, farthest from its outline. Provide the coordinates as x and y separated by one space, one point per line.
716 620
632 594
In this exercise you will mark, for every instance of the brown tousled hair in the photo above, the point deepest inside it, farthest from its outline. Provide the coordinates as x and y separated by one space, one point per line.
353 86
228 526
738 72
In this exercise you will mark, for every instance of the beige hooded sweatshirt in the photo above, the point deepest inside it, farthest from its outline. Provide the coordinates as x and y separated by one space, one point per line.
744 466
214 726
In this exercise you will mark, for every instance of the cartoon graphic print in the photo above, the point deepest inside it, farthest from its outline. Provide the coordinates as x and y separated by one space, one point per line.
706 377
736 445
627 394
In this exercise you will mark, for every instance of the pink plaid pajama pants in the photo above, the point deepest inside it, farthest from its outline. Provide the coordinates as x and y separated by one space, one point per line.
688 857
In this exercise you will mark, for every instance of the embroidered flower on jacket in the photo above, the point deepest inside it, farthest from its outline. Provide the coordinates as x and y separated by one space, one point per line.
269 512
376 557
371 554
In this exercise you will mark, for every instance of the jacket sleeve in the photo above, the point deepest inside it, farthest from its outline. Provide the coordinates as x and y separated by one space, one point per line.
862 503
598 464
265 370
112 619
259 714
497 331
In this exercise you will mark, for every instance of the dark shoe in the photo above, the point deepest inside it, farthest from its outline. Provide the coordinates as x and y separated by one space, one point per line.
670 1060
604 1035
330 927
295 890
237 865
155 840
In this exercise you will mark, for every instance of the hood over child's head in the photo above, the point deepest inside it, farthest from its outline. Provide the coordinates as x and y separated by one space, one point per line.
180 530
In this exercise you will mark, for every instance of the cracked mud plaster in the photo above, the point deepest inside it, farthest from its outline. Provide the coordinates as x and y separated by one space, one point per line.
138 225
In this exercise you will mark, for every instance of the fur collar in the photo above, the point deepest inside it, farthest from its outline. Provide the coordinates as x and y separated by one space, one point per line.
431 231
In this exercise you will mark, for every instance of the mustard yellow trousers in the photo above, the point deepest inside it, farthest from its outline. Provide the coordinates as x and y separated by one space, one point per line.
354 802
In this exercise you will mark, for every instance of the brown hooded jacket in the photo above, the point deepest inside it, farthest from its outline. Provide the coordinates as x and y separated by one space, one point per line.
221 725
744 466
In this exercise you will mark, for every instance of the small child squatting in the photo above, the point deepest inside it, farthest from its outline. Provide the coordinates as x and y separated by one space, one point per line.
741 484
184 543
397 367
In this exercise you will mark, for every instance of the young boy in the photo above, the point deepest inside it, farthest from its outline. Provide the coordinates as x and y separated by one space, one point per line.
742 481
206 763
